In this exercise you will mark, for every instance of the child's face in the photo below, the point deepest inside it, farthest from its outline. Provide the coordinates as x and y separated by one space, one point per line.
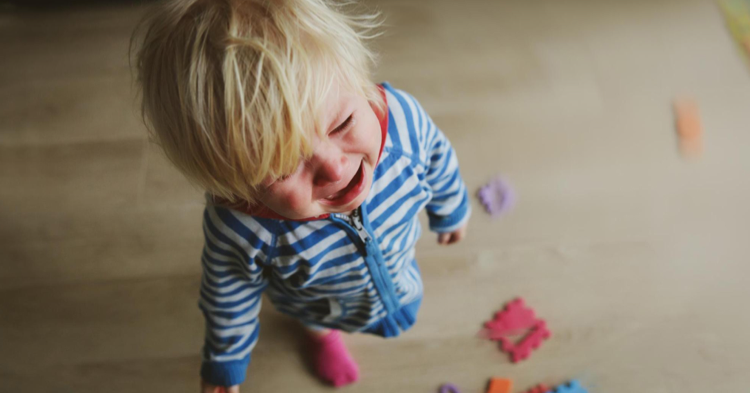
337 178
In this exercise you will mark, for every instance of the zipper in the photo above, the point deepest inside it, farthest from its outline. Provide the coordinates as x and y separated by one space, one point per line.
356 218
355 221
373 259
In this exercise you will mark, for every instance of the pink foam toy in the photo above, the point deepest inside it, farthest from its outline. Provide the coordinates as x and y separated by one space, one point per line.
515 318
522 349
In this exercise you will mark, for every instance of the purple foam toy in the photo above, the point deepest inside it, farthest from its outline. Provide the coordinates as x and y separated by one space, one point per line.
497 196
449 388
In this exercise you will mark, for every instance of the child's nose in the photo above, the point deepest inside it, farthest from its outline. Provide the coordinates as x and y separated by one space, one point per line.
331 169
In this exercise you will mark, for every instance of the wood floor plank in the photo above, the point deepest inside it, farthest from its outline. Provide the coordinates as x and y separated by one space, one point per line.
76 109
70 176
103 244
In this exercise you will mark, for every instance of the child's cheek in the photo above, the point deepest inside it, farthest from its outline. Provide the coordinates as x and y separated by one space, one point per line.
296 201
374 134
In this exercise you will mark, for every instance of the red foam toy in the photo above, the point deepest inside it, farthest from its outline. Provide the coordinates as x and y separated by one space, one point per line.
541 388
522 349
515 318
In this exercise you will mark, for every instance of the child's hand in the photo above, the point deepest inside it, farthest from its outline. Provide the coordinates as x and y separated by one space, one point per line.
208 388
452 237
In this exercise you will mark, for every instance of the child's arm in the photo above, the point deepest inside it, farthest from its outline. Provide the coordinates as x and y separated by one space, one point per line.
449 208
232 283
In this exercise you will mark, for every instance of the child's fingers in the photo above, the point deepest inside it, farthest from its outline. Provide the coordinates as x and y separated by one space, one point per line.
451 237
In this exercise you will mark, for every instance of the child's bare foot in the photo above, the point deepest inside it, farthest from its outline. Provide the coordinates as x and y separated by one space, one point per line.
333 362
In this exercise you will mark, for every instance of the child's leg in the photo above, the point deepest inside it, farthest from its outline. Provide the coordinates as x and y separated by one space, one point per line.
333 362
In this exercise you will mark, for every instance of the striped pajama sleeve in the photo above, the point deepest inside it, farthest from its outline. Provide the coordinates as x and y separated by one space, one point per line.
230 295
449 208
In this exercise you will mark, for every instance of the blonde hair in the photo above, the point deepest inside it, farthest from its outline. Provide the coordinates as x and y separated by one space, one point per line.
232 90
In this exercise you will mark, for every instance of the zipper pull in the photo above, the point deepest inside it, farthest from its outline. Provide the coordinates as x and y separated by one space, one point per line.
357 224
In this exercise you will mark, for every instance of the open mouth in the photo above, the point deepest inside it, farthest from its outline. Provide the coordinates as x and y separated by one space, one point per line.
351 191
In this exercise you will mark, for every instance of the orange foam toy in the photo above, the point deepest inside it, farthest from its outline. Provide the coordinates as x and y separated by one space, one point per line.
688 122
500 385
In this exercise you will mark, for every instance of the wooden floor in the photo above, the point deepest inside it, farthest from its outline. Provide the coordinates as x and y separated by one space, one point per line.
638 259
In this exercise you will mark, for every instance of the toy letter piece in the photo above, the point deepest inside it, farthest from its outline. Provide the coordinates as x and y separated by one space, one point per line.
531 341
516 319
737 15
500 385
570 387
513 319
497 196
688 123
449 388
541 388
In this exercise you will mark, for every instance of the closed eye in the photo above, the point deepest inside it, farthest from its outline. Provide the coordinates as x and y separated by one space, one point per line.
345 125
281 179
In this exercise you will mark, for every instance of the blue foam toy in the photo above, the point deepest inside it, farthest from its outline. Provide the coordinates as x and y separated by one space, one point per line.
570 387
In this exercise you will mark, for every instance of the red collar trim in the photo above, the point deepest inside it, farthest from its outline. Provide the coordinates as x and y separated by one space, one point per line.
264 212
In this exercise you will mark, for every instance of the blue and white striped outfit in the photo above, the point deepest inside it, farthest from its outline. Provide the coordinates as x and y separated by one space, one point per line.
355 273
